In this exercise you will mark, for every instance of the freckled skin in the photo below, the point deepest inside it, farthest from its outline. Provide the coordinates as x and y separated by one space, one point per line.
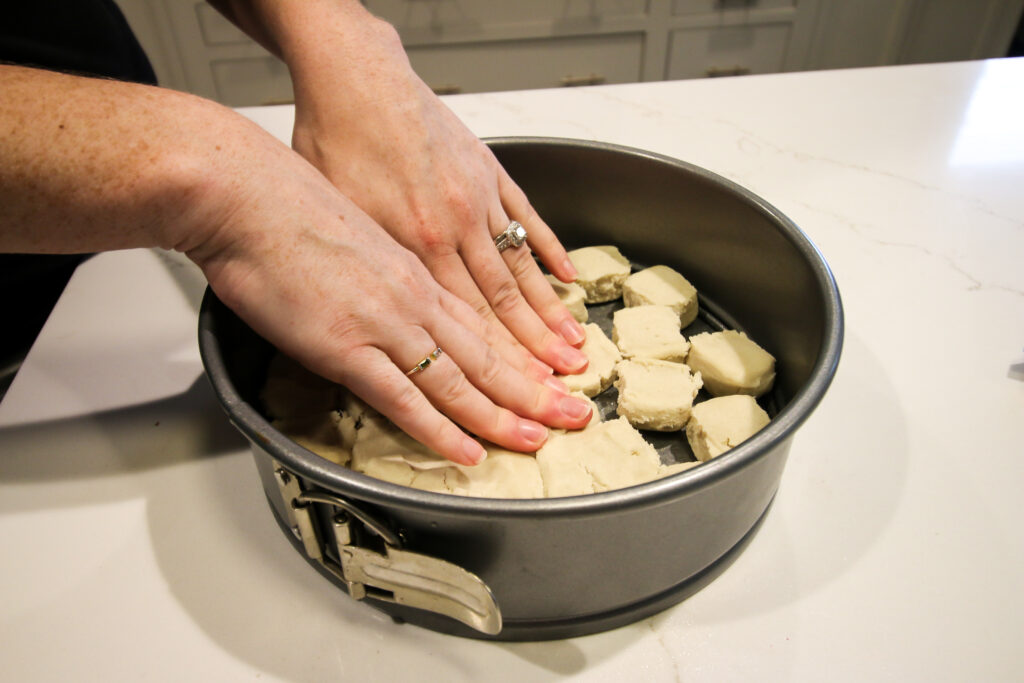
89 165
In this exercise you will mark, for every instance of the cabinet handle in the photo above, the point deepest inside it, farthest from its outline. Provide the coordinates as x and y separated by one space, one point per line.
719 72
576 81
448 89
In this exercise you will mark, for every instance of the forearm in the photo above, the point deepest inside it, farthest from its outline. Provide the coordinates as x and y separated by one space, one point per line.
90 165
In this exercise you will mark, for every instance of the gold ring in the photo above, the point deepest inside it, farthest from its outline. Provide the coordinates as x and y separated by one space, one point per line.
425 363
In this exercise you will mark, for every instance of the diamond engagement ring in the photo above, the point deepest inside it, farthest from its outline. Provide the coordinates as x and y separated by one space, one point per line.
514 236
425 363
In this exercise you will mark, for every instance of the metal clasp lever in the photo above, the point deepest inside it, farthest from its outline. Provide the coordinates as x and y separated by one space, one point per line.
397 575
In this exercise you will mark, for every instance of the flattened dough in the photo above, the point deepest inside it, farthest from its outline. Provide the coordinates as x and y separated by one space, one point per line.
731 363
613 455
602 270
656 394
600 373
649 332
662 286
572 296
718 424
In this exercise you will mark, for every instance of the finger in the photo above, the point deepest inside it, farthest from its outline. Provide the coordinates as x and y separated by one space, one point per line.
515 355
488 372
541 296
444 383
540 237
383 385
450 271
492 276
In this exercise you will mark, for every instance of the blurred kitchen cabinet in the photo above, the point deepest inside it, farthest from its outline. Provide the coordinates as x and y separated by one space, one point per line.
486 45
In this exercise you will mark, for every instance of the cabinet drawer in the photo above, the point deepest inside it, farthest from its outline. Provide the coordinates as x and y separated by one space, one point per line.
680 7
475 16
523 64
727 50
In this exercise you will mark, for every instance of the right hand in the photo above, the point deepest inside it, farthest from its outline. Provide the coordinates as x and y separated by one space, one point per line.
314 275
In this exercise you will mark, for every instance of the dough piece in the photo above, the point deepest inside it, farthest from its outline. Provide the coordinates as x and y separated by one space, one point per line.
649 332
731 363
293 391
383 451
613 455
600 373
504 474
718 424
573 296
602 270
656 394
317 433
662 286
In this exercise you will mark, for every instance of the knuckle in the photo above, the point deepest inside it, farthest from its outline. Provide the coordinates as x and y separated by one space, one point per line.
407 400
455 389
491 371
506 297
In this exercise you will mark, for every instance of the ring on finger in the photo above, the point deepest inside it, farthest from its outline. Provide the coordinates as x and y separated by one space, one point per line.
512 237
425 363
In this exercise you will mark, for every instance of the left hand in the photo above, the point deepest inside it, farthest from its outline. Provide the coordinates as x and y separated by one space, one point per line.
387 142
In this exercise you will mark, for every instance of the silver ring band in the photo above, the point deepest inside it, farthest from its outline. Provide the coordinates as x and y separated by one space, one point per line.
513 236
425 363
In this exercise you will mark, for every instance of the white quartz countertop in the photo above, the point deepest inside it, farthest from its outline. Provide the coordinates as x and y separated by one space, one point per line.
137 544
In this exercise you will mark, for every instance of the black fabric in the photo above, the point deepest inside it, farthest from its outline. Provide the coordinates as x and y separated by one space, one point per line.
88 37
84 37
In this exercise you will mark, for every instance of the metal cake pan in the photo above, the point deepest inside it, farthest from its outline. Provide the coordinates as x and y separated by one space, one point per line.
562 567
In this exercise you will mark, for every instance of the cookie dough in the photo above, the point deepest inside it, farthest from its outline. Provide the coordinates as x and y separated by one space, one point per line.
602 270
662 286
718 424
600 373
649 332
656 394
613 455
731 363
320 433
572 296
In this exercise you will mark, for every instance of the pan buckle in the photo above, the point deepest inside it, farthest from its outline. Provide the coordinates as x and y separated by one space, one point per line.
394 575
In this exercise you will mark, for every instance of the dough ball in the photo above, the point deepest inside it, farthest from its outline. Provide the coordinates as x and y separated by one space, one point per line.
572 296
718 424
293 391
731 363
656 394
603 355
613 455
602 270
649 332
660 285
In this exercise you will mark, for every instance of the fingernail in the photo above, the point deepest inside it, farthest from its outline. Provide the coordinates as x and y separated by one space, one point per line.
573 358
556 384
533 431
574 407
474 452
573 332
570 269
541 368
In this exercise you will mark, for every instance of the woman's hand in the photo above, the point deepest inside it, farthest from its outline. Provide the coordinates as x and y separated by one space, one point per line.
382 137
94 164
